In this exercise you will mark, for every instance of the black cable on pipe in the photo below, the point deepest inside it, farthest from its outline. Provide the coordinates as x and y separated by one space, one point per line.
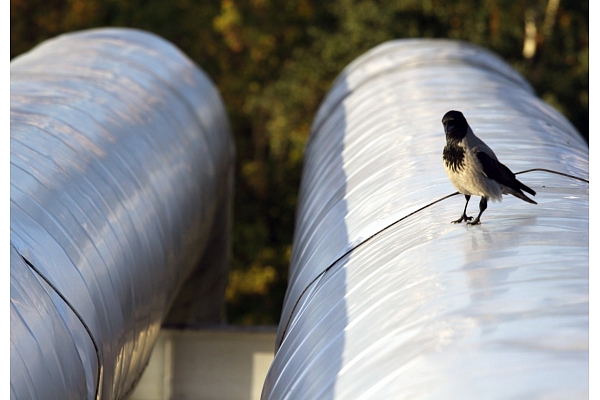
86 327
389 226
553 172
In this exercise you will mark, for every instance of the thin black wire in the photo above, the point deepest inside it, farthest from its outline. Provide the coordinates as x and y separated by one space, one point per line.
553 172
350 251
89 332
389 226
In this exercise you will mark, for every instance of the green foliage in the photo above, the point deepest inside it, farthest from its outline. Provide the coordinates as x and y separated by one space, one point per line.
273 61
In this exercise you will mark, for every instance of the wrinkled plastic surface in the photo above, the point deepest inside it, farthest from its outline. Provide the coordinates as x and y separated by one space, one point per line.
121 170
427 309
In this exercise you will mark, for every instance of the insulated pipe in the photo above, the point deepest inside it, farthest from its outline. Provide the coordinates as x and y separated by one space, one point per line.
121 184
389 300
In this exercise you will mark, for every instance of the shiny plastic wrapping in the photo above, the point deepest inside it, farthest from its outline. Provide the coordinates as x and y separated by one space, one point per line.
121 179
389 300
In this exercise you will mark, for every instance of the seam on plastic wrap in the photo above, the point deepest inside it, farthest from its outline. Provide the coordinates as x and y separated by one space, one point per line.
287 324
79 317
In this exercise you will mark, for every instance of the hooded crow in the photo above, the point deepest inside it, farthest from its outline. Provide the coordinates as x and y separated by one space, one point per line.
474 169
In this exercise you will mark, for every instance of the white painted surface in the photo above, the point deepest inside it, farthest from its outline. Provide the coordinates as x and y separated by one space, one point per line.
229 364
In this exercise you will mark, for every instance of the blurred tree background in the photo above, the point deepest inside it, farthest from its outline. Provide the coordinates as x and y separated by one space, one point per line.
273 62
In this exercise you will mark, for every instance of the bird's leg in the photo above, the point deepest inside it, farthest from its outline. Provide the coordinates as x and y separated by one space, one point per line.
482 207
464 217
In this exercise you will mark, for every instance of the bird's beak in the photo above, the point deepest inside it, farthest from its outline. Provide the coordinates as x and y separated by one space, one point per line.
448 126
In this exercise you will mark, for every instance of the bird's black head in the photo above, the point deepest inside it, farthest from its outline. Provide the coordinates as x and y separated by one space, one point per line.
455 125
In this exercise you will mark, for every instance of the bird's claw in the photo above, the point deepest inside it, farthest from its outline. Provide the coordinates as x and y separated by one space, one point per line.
476 222
462 218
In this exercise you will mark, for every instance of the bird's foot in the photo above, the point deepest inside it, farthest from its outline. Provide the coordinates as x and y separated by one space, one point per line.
474 222
462 218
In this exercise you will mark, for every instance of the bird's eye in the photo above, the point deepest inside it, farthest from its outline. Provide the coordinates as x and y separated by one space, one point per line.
449 126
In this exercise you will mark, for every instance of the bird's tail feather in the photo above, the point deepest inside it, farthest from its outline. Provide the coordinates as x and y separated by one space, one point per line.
525 188
519 194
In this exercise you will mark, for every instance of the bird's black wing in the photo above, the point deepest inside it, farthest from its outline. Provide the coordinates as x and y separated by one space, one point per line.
497 171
